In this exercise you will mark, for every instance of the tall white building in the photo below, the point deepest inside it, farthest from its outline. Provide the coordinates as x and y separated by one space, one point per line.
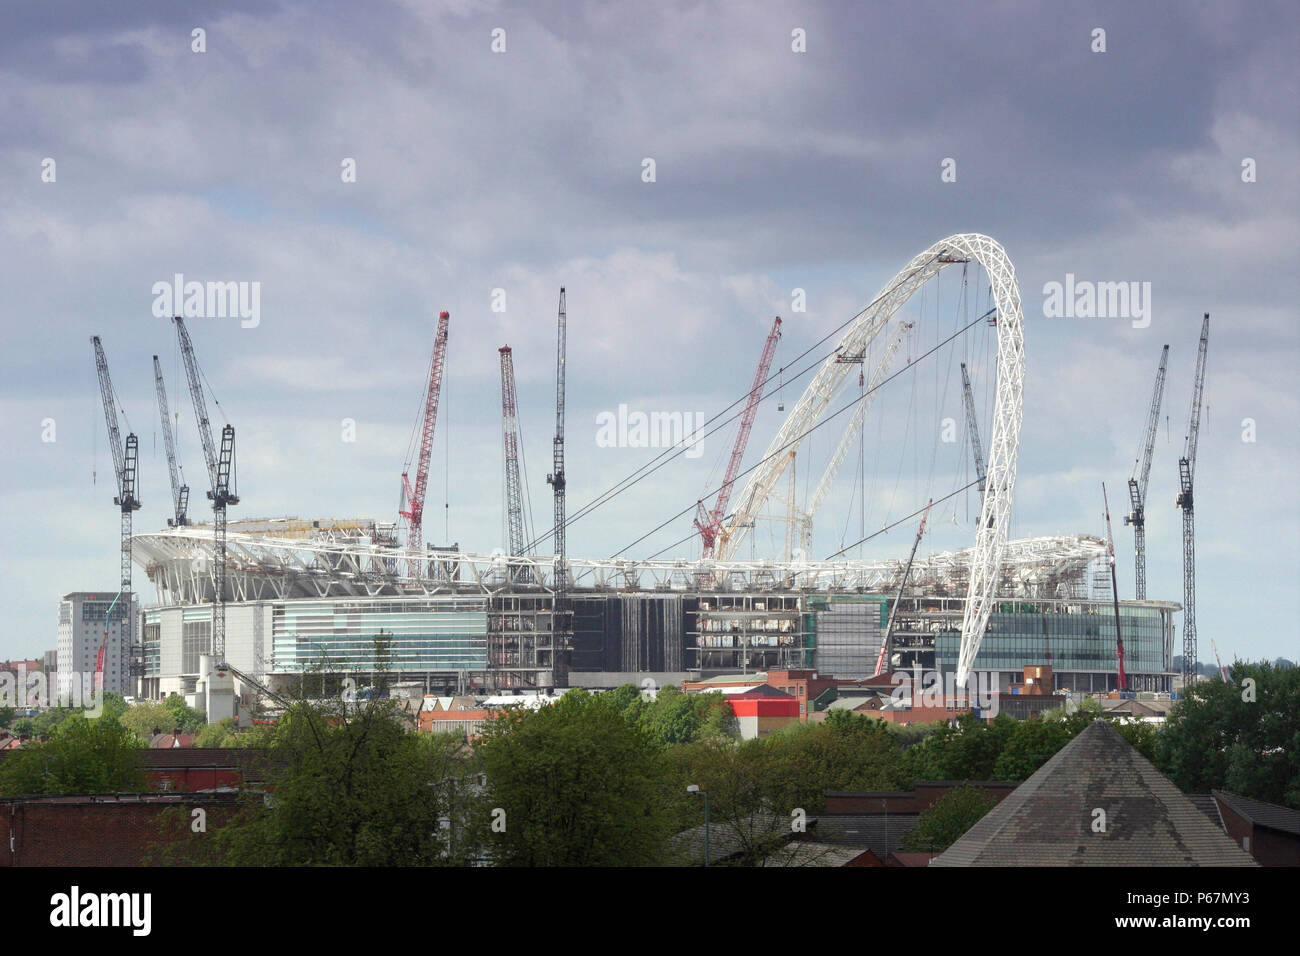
81 632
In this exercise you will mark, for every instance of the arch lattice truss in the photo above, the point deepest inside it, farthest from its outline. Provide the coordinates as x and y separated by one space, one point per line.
995 514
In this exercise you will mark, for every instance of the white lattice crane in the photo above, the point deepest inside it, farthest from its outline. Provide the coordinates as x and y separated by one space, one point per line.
180 490
125 462
221 477
1137 485
1186 471
973 428
852 430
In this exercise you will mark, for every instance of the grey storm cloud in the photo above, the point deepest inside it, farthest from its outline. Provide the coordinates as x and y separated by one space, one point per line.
523 171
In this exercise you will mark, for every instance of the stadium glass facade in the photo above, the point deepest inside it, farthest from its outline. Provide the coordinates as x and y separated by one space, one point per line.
1076 640
408 636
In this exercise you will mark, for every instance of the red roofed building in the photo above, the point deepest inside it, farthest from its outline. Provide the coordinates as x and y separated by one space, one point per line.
763 710
466 722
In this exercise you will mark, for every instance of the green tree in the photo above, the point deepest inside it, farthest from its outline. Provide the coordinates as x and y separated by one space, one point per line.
966 750
184 717
81 756
1030 745
115 705
347 787
573 784
951 815
215 735
147 716
6 717
846 752
1241 735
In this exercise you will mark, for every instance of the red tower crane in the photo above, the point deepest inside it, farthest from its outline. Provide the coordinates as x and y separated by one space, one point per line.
412 506
709 523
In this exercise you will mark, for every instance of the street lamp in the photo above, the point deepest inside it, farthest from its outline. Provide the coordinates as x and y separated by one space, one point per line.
693 788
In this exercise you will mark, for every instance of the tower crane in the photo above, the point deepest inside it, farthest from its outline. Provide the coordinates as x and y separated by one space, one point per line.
125 462
709 523
898 599
510 445
1137 485
412 506
221 477
1122 681
973 428
180 491
1186 471
556 479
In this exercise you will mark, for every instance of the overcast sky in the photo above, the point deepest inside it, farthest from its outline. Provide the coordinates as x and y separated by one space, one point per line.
522 170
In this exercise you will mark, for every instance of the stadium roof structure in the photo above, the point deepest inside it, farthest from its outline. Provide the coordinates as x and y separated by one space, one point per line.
333 558
1097 802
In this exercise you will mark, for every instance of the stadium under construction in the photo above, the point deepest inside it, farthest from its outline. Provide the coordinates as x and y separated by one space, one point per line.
311 595
276 599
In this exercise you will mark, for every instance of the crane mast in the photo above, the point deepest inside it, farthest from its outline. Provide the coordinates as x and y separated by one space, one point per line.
510 446
412 508
221 475
973 428
1137 485
180 491
125 468
1122 681
898 599
708 522
556 479
1186 470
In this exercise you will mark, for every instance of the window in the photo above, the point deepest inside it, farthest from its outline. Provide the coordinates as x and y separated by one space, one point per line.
196 639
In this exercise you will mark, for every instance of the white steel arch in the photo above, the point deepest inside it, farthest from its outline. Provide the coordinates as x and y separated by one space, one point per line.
850 434
991 535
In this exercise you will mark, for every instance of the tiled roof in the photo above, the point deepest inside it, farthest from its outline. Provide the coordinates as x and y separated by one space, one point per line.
802 853
1049 819
1262 814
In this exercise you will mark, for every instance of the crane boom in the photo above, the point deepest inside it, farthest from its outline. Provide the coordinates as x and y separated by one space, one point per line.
973 428
898 599
1186 469
1122 681
125 462
510 443
180 491
413 499
1137 485
709 523
851 430
198 399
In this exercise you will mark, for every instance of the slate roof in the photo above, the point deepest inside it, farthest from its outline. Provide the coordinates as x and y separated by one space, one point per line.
801 853
1048 820
1262 814
881 833
1207 805
732 839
